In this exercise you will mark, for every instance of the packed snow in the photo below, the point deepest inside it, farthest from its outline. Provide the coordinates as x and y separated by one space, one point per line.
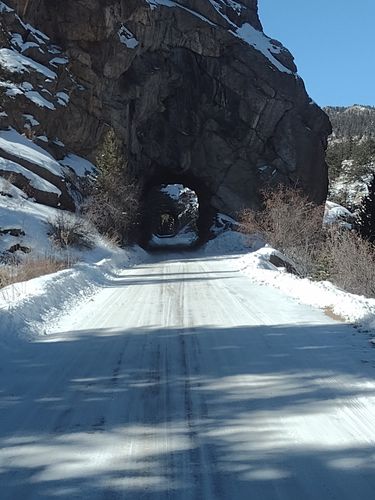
33 308
253 260
180 378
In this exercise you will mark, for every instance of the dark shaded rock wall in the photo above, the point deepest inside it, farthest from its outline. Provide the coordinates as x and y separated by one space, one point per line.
188 95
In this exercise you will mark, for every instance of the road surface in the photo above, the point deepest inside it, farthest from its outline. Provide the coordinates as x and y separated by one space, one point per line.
184 380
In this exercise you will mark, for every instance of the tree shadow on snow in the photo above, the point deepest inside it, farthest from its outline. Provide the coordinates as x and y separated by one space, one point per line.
185 414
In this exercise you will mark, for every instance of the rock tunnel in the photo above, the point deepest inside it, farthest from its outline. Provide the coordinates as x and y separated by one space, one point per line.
161 215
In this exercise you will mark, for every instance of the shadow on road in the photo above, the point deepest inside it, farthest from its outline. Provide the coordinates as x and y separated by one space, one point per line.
203 413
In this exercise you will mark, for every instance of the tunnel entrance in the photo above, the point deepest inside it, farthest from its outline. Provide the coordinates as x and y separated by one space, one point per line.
176 213
172 213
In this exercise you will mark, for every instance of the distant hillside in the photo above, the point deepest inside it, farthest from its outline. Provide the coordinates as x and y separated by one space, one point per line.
351 153
354 121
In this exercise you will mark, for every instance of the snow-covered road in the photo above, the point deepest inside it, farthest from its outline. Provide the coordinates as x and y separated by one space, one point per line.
183 380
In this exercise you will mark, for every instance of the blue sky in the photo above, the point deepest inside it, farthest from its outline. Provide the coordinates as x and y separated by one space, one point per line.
333 44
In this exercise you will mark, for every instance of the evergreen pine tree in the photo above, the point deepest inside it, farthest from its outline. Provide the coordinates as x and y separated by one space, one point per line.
113 205
366 217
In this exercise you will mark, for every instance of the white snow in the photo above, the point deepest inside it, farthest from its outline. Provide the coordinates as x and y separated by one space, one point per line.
263 43
184 238
4 8
169 3
34 179
59 61
337 214
174 191
181 379
31 120
21 212
18 145
235 6
79 165
39 35
127 38
17 41
17 63
39 100
32 308
11 89
42 138
253 260
63 98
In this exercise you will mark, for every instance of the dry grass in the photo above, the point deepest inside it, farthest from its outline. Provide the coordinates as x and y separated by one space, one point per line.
293 225
350 261
328 311
67 230
27 270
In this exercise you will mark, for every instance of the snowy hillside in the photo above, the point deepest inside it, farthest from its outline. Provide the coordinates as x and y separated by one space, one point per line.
38 175
351 153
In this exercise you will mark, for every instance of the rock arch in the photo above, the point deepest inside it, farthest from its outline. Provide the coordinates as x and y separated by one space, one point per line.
164 177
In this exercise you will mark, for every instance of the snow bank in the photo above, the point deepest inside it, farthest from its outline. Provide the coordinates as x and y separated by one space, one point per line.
253 260
32 308
322 294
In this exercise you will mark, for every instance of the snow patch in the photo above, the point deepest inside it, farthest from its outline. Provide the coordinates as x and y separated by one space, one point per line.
4 8
79 165
17 63
31 121
169 3
32 308
262 43
39 100
62 98
34 179
127 38
59 61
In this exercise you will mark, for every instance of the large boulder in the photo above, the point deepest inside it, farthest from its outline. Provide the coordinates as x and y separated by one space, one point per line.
194 89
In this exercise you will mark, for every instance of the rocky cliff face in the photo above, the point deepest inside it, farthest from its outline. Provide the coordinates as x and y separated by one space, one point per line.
195 90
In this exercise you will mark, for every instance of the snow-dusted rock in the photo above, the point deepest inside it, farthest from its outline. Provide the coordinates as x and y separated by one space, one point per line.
192 87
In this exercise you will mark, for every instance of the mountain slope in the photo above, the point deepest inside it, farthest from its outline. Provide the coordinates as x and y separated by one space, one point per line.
351 153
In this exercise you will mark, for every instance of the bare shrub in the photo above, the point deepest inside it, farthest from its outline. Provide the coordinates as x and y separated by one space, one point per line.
29 269
69 231
349 261
291 223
